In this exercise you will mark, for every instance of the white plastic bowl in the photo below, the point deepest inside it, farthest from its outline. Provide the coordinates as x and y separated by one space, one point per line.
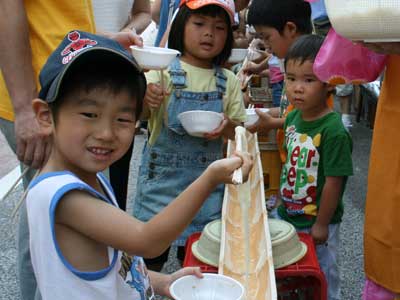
237 55
154 58
252 116
199 122
211 287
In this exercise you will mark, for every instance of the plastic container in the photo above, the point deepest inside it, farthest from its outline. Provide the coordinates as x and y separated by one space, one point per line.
304 279
365 20
211 287
261 94
199 122
154 58
252 116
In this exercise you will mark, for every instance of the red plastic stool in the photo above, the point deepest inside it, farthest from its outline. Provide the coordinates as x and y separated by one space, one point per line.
191 261
302 280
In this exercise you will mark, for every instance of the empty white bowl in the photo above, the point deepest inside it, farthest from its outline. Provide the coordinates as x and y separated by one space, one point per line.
237 55
252 116
154 58
199 122
210 287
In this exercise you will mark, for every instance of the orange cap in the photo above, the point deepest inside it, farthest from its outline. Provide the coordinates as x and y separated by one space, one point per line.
228 5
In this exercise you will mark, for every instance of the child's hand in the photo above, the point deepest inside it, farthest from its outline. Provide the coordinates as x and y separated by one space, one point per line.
264 123
216 133
154 95
252 68
221 171
178 274
319 233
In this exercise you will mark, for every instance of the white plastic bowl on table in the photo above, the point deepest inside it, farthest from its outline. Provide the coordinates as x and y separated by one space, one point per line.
154 58
365 20
199 122
237 55
210 287
252 116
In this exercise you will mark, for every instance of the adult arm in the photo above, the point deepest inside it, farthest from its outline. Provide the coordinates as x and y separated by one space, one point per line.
155 11
384 48
140 16
17 70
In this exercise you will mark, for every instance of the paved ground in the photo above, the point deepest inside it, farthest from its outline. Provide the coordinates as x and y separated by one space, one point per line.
352 248
8 160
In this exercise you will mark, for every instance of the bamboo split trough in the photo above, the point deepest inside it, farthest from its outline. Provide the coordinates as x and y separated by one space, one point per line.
249 262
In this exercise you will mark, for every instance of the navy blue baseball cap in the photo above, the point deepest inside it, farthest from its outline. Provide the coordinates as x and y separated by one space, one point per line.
77 46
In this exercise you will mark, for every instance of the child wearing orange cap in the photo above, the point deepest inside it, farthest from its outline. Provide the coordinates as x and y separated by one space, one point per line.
172 158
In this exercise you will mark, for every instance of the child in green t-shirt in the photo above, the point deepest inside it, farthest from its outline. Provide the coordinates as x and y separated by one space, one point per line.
318 159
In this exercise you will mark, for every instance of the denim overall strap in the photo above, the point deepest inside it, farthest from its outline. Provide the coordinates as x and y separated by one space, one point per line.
177 74
221 81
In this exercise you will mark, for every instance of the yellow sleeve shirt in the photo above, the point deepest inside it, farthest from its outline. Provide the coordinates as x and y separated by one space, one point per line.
49 21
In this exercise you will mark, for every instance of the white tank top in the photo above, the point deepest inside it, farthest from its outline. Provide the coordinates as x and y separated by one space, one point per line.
57 279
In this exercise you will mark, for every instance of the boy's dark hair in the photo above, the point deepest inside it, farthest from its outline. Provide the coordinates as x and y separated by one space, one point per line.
276 13
305 48
111 73
176 36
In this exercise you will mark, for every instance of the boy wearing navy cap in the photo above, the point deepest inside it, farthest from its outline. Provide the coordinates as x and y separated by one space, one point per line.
91 95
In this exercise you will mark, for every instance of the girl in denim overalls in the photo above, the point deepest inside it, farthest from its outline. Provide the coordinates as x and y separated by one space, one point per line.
172 159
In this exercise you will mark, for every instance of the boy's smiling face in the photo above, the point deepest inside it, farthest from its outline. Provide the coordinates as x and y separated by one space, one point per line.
304 90
278 42
92 130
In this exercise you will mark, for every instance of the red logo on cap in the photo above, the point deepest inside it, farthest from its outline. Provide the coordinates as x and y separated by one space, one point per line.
77 45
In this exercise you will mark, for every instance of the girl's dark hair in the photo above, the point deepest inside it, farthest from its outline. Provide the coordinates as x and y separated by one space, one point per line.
276 13
108 72
305 48
176 35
